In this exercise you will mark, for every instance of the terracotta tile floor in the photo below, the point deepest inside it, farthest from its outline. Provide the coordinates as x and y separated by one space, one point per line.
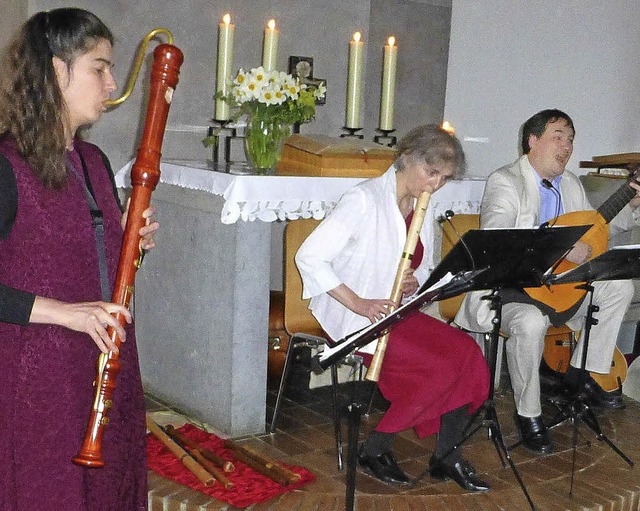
602 480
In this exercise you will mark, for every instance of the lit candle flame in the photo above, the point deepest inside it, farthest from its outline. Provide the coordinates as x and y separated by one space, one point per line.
391 41
227 19
272 24
357 36
446 126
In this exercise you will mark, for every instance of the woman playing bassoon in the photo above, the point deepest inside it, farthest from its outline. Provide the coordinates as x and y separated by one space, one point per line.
432 374
53 313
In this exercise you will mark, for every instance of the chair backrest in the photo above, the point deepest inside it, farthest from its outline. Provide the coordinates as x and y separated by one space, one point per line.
463 223
297 316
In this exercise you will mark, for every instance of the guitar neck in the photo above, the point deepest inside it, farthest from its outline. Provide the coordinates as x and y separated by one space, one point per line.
614 204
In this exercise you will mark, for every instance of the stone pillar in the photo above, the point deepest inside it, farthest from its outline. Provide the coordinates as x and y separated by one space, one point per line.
201 307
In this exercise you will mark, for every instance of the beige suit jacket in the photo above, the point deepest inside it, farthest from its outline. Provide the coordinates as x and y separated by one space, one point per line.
512 199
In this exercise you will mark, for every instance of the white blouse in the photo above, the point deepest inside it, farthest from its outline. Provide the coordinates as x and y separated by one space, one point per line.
359 244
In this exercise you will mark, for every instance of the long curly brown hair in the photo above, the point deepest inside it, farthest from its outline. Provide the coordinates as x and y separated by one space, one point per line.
32 108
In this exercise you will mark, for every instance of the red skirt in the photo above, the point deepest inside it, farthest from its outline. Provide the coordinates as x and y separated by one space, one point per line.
429 369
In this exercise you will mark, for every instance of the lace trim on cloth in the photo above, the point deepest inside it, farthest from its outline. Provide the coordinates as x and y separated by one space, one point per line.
251 197
249 487
270 211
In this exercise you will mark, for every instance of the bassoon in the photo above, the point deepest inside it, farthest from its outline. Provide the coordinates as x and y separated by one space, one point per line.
413 236
145 175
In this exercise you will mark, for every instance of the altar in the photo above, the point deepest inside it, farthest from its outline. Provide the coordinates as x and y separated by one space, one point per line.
202 296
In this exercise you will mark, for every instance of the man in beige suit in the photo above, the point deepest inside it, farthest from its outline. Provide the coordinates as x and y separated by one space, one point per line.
527 193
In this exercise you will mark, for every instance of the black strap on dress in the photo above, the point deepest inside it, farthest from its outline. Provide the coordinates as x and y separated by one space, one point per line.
97 223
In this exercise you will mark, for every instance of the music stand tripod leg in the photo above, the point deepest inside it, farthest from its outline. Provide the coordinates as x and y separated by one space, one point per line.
577 408
491 416
353 413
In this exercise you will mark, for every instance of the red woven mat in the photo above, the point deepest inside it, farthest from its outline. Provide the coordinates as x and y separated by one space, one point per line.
249 486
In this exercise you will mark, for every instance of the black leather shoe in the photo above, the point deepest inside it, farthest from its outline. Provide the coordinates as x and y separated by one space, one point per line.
383 467
596 396
461 472
534 435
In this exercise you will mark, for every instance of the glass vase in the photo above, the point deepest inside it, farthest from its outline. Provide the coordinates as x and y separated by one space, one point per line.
263 143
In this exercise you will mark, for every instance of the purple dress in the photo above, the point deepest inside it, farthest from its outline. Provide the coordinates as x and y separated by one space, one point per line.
46 371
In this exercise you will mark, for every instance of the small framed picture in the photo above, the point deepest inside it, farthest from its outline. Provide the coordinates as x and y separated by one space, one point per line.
301 67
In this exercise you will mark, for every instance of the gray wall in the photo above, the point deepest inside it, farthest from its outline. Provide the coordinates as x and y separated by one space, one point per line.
320 29
14 12
422 33
512 58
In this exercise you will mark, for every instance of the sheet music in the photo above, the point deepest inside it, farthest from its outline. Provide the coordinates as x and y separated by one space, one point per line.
625 247
618 263
442 282
423 298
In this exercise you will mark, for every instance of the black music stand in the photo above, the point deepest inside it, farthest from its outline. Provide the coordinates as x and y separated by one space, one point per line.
619 263
524 260
482 259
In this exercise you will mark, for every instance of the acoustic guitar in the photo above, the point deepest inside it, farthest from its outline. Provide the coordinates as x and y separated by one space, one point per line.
558 347
562 297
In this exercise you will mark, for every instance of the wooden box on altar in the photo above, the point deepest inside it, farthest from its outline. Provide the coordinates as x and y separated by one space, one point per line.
605 164
617 159
323 156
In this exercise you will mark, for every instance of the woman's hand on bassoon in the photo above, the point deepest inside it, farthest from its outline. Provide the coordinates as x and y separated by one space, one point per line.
409 283
148 230
92 318
373 309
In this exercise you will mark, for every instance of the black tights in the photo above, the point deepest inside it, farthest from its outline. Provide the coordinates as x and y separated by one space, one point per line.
451 427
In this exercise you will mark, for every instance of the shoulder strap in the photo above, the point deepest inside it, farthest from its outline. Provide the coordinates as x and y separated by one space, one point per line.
8 197
98 226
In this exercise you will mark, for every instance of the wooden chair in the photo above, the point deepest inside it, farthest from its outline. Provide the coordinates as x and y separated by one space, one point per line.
288 312
462 222
292 326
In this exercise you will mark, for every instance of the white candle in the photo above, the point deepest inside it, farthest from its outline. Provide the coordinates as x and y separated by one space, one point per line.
270 48
387 98
354 82
225 59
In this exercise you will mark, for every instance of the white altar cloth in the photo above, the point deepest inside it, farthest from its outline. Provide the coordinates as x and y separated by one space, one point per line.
271 198
252 197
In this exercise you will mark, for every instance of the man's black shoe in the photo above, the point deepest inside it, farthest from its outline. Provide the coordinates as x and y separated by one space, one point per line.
533 434
461 472
383 467
595 395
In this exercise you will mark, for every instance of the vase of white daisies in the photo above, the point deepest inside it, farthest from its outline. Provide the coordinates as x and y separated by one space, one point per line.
272 102
263 142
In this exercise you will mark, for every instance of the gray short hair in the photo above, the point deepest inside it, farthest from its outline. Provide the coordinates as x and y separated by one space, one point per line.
433 145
